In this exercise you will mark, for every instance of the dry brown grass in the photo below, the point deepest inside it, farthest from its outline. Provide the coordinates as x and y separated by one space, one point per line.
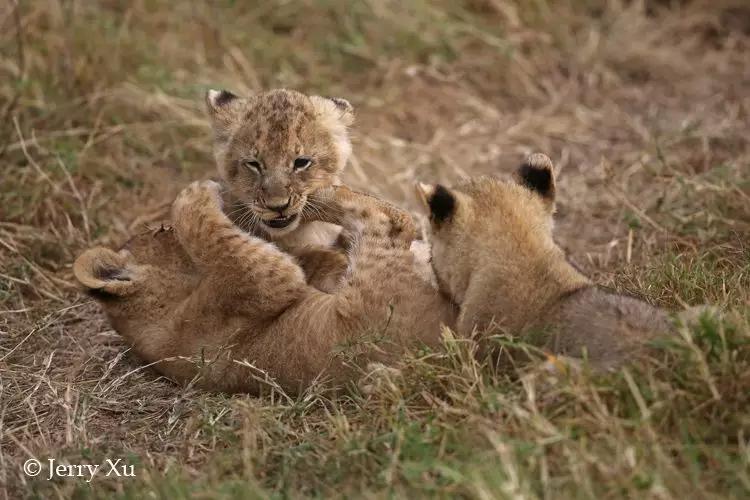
645 109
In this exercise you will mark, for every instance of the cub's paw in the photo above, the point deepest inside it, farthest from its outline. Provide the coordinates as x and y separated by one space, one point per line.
325 204
379 218
386 221
197 197
403 229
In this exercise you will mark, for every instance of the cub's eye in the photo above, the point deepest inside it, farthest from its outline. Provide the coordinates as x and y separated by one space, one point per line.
302 163
252 165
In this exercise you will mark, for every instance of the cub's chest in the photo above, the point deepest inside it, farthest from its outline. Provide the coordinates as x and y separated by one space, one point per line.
314 233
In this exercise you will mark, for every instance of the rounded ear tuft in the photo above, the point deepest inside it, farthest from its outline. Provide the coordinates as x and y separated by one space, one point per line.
439 201
537 174
335 108
342 104
442 204
223 110
424 192
217 99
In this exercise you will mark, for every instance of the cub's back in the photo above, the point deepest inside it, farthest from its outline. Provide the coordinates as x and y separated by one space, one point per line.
607 325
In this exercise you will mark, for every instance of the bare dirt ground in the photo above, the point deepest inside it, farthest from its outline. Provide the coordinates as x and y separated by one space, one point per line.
644 107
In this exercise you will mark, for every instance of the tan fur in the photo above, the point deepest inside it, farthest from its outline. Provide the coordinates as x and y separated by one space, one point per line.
494 254
323 267
198 299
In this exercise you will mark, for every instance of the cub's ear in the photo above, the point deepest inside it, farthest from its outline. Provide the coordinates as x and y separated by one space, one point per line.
104 273
222 106
537 174
219 101
439 201
334 108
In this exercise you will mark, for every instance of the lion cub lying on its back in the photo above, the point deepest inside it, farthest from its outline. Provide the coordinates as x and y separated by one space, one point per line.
493 253
200 298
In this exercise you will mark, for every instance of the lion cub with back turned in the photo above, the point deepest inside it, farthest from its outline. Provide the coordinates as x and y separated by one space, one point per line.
494 255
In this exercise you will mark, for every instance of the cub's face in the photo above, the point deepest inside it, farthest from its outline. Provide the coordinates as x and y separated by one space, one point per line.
485 221
275 148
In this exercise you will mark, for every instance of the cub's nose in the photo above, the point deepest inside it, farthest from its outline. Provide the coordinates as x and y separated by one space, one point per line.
278 204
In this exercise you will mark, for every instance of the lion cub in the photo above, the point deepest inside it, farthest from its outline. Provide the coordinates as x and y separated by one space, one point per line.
273 150
493 253
206 298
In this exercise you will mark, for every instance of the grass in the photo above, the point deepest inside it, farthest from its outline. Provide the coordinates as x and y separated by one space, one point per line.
643 108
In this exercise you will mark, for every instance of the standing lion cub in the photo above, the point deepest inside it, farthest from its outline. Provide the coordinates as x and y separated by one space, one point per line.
493 253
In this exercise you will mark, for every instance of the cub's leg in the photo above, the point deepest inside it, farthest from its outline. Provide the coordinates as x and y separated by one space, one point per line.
241 265
324 267
365 215
381 267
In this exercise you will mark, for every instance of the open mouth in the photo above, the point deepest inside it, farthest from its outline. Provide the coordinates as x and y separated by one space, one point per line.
280 222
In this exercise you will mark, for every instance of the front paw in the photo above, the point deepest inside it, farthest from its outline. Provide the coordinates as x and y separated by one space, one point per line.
403 229
197 197
324 205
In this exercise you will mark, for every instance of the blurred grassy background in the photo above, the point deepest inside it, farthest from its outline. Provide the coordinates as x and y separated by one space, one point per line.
644 106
